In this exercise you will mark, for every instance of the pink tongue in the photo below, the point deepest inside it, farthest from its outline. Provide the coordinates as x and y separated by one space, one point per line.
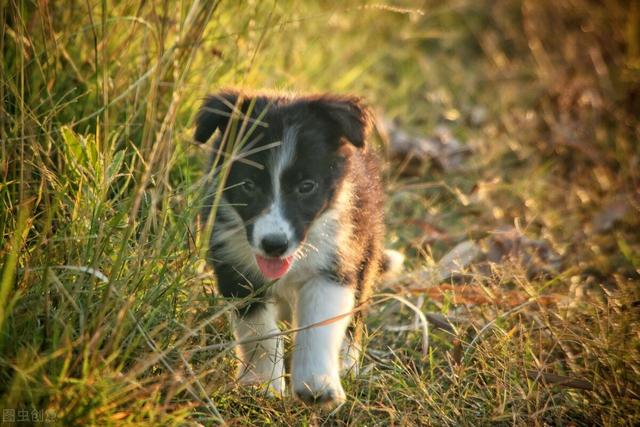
273 268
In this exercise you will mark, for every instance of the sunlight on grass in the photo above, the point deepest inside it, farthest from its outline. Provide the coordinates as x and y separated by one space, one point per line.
106 308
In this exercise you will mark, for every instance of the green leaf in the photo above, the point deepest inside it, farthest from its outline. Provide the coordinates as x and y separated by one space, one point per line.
74 146
115 165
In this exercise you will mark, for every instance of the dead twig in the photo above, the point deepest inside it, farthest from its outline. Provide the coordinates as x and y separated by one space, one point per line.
561 380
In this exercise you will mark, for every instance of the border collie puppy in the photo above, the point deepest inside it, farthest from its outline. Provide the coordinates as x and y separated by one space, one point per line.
299 228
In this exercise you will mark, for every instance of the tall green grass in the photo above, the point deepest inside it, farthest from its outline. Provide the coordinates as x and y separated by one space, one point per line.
106 309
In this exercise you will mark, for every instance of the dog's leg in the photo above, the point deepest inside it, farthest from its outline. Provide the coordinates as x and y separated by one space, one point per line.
261 362
351 351
316 357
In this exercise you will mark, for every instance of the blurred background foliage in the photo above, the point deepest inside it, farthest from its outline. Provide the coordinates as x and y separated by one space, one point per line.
511 134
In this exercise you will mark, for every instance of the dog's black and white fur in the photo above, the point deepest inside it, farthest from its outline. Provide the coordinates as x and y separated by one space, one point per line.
303 189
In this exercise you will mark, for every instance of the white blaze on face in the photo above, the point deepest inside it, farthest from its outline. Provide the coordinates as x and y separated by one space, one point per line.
273 220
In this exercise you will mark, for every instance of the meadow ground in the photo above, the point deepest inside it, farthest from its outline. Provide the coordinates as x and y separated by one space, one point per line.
520 222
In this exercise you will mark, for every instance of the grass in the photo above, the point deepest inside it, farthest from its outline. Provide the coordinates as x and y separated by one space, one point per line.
106 309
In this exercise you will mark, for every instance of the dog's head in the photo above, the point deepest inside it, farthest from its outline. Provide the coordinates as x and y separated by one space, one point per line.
289 160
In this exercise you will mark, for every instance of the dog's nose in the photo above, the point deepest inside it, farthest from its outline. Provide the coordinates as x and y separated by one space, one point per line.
275 244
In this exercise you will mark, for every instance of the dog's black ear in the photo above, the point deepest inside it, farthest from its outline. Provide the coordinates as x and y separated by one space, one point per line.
350 116
215 113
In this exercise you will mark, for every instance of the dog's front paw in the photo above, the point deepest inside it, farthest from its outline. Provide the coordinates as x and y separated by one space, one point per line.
321 389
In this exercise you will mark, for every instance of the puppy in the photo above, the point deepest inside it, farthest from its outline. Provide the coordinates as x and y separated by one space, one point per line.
297 232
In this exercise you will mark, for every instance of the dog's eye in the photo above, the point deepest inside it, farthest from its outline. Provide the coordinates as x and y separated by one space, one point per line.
307 187
248 186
